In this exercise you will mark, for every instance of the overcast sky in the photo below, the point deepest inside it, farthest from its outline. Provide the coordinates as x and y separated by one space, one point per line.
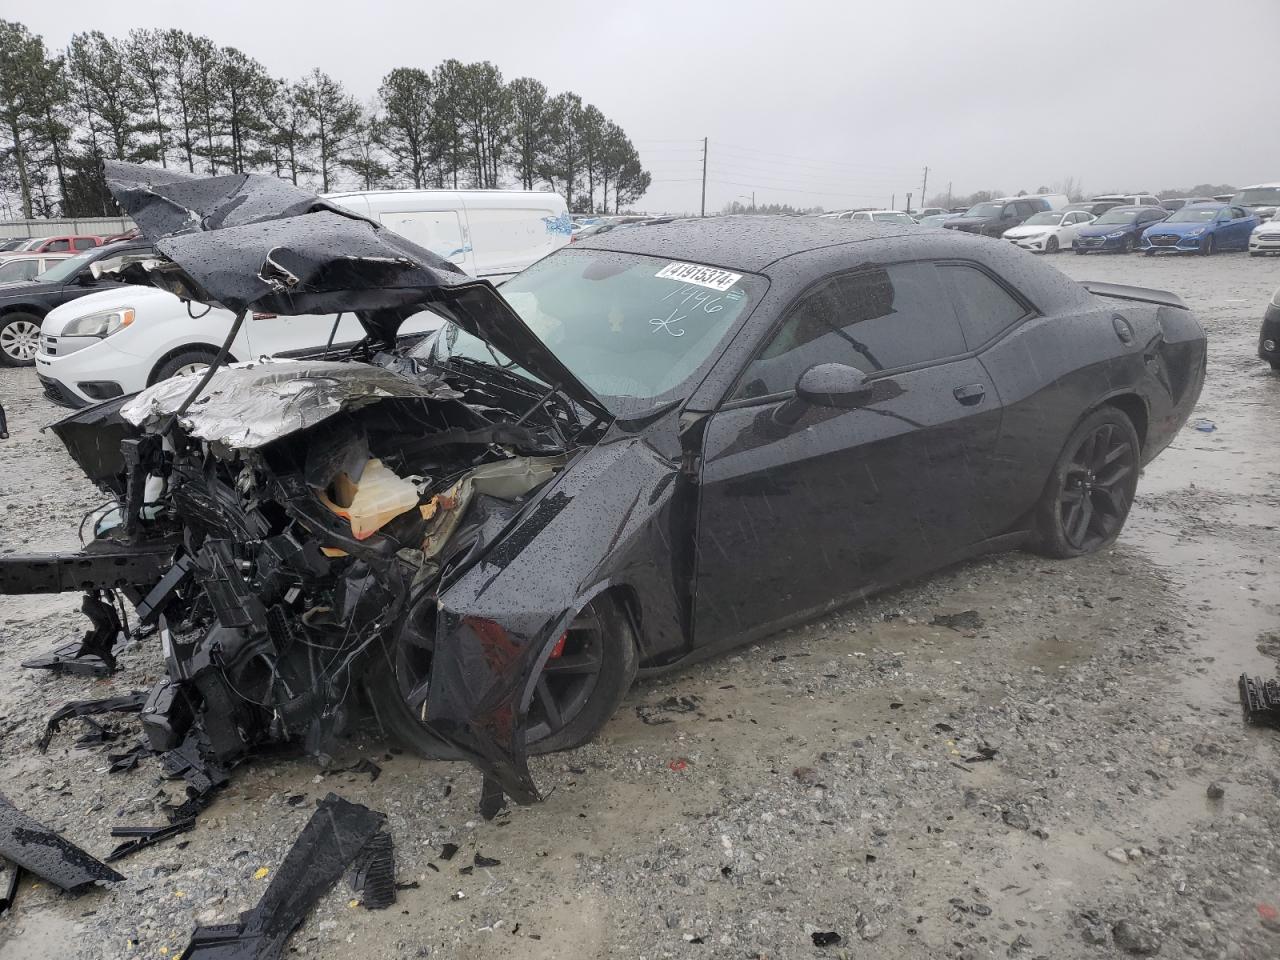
840 103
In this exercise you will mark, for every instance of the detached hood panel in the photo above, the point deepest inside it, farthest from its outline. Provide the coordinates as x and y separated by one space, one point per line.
253 242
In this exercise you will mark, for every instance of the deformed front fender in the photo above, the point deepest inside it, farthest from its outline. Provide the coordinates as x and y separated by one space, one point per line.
605 521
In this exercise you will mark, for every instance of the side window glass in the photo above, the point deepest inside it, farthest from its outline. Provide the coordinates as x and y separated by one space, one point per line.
58 246
874 320
984 307
1237 213
82 243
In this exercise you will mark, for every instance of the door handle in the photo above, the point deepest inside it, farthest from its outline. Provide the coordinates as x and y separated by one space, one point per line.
970 394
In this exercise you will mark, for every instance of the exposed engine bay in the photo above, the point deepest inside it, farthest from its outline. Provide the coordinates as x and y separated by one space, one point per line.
317 507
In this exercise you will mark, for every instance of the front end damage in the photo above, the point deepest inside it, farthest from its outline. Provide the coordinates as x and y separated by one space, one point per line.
301 522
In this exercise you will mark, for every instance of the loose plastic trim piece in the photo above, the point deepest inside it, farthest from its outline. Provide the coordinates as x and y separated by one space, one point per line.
337 833
34 847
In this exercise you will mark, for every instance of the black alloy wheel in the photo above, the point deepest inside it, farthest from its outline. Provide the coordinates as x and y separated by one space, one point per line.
588 671
1126 245
1087 498
1051 245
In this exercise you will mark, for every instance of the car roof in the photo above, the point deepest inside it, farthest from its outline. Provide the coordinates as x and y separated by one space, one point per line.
1256 186
744 242
1206 203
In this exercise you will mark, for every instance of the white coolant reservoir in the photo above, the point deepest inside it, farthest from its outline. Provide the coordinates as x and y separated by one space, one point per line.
379 497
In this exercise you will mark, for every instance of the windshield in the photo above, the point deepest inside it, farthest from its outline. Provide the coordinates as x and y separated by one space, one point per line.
891 218
1194 215
1117 216
983 210
1047 218
65 269
636 330
1258 197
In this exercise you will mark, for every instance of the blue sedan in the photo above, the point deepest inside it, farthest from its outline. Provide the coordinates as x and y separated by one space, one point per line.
1117 230
1201 228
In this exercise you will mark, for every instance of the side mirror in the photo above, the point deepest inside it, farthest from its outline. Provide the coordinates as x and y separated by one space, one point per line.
834 385
85 278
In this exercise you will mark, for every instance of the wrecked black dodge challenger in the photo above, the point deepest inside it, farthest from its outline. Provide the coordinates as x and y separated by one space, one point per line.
647 448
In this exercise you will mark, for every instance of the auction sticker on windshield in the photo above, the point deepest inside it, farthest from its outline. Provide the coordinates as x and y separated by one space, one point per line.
720 280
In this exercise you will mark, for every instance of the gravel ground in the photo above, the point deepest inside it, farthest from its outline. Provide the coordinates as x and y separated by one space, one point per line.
820 781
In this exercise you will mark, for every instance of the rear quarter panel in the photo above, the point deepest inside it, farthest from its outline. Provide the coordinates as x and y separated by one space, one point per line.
1051 371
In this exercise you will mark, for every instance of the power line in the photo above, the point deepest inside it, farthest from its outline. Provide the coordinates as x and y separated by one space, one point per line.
815 193
796 158
802 180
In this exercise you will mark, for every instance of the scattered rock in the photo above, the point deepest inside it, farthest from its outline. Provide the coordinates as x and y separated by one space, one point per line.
1016 820
1133 937
965 620
1118 855
1215 791
1094 933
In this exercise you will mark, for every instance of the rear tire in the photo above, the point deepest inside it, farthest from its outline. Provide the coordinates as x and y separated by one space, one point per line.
1087 497
19 339
586 707
188 361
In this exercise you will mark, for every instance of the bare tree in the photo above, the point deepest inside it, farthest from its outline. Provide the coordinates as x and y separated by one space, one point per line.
405 132
334 116
528 127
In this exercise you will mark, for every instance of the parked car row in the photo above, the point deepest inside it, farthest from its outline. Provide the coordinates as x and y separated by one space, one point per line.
68 243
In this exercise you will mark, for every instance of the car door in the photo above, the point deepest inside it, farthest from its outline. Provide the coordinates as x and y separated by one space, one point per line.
1242 224
440 231
798 512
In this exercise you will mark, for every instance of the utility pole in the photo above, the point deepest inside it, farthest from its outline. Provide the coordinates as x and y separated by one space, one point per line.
924 187
893 201
948 196
908 202
704 176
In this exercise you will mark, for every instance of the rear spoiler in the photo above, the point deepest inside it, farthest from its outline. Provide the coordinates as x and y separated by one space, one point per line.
1120 291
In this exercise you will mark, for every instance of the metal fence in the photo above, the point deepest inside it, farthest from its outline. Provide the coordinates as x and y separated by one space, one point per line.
79 226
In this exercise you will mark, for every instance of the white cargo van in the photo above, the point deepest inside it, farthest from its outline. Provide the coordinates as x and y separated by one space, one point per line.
492 234
121 340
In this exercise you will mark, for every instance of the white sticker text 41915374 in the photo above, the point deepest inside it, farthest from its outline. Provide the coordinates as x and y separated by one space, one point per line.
720 280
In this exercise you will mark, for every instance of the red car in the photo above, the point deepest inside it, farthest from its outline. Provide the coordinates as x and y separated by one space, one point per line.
64 244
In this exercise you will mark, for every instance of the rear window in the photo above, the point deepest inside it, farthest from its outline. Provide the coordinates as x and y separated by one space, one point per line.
984 307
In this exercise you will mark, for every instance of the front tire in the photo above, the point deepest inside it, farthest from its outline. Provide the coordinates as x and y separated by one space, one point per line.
577 691
192 361
1206 248
1051 245
19 339
1126 245
1087 497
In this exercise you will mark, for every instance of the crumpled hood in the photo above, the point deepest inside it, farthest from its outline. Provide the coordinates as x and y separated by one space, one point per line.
253 242
248 405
